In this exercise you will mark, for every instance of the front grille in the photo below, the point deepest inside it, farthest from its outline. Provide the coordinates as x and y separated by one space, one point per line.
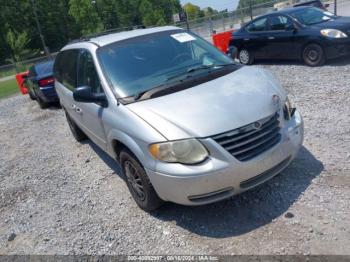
251 140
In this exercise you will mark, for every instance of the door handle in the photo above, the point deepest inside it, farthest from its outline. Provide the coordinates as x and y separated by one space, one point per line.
246 39
78 110
72 106
271 38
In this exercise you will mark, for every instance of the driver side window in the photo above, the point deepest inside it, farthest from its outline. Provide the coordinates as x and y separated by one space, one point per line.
278 23
259 25
87 74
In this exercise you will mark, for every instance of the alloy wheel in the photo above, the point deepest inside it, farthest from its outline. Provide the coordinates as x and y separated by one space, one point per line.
313 55
134 180
244 56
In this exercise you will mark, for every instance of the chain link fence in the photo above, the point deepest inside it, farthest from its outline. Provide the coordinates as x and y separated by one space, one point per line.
12 69
207 26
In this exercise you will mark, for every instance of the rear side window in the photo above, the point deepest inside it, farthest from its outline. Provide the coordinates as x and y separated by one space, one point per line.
65 69
258 25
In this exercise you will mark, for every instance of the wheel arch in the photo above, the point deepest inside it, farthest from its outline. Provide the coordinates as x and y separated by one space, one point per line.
120 141
118 147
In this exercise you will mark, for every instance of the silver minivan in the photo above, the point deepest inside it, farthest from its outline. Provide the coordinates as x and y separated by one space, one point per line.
186 123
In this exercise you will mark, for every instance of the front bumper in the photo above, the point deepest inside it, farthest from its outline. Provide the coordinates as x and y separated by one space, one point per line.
335 48
222 176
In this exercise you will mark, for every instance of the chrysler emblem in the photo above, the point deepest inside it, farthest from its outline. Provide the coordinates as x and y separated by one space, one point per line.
257 125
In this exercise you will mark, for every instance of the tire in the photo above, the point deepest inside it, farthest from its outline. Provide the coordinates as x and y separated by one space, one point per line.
313 55
245 57
78 134
138 183
31 94
41 103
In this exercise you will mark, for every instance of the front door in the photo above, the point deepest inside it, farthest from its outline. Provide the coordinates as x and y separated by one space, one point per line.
90 114
255 41
65 72
281 38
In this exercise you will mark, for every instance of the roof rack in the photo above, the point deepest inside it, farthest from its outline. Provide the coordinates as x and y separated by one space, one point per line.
107 32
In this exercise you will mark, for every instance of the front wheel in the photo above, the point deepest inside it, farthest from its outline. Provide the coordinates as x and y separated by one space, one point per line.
138 183
245 57
313 55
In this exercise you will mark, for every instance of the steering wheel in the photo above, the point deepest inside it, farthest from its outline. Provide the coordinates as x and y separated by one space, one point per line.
182 56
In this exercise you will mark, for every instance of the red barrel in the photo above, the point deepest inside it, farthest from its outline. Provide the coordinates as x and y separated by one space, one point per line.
20 77
222 40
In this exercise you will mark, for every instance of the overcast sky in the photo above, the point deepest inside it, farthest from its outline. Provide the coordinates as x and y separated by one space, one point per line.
216 4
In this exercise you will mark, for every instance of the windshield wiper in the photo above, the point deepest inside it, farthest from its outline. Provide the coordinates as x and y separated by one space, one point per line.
135 97
186 74
138 95
202 67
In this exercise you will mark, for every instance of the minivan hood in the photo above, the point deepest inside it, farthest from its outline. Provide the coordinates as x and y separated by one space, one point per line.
214 107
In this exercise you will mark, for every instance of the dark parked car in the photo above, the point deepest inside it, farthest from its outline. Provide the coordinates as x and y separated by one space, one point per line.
306 33
41 84
314 3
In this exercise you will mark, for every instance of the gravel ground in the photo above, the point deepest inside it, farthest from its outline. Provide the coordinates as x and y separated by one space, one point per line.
62 197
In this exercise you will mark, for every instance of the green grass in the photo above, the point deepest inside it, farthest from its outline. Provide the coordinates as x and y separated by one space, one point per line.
8 88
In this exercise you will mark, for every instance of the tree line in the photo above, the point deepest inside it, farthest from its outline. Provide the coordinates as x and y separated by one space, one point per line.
28 26
61 21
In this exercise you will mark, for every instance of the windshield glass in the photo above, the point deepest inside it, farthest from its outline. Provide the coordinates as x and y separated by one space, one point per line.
139 64
310 16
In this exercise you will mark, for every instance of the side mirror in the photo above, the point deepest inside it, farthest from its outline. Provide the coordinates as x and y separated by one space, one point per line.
326 5
85 95
232 52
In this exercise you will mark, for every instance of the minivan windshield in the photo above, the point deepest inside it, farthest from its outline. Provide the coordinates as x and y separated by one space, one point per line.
312 15
142 63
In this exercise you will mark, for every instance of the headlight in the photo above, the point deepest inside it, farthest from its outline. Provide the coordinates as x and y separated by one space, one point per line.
189 151
288 109
333 33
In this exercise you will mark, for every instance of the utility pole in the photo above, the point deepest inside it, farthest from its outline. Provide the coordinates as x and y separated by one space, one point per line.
335 7
251 10
187 23
46 50
94 3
